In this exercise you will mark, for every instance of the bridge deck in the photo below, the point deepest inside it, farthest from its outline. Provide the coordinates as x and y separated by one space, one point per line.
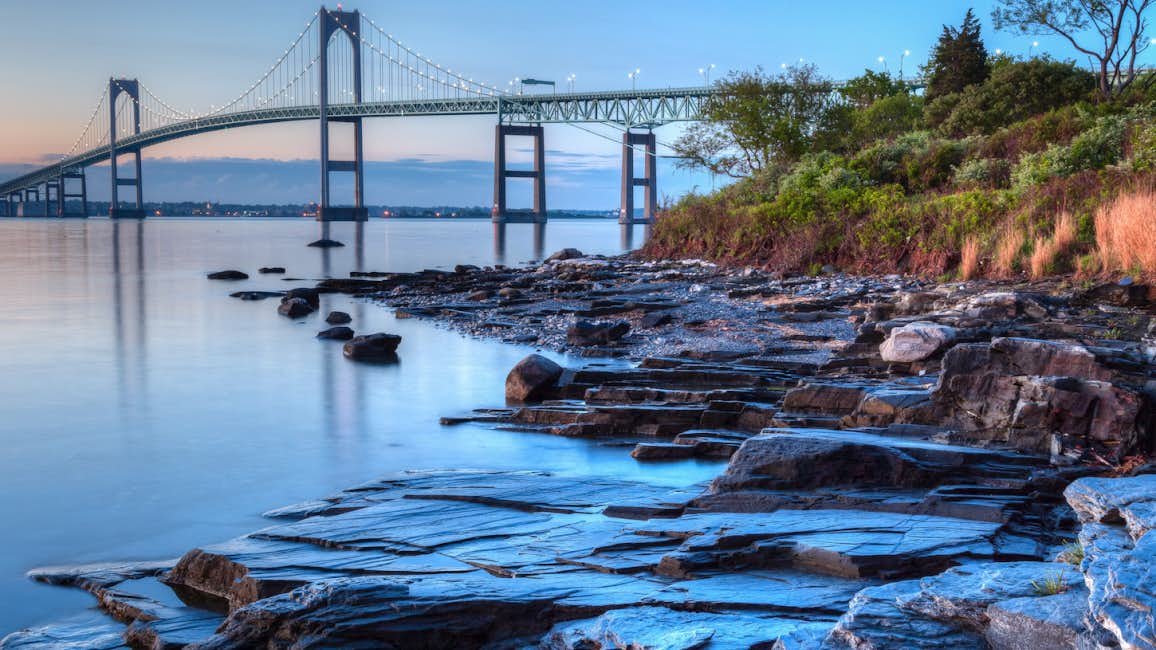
626 108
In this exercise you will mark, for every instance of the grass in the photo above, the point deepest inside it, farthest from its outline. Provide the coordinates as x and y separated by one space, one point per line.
969 265
1048 251
1124 233
1007 251
1051 585
1073 553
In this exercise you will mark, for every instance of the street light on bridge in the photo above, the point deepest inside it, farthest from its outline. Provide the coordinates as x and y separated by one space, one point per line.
705 72
633 76
570 82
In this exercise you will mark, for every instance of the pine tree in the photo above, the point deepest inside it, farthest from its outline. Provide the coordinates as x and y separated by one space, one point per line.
958 60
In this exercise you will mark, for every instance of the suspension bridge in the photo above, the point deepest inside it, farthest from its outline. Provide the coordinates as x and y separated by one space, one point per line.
370 74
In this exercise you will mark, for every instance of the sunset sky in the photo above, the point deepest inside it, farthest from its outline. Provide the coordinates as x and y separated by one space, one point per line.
58 56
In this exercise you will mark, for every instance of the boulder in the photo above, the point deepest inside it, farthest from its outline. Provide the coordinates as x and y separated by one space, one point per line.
271 269
325 243
479 295
919 302
339 333
1114 500
586 333
228 275
338 318
295 307
827 399
1039 396
532 378
373 347
310 295
1035 622
565 254
509 293
916 341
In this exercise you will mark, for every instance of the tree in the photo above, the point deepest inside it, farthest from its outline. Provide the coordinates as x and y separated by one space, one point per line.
870 87
758 121
1110 32
958 60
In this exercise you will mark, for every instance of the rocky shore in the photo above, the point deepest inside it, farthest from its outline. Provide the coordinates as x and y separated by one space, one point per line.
902 464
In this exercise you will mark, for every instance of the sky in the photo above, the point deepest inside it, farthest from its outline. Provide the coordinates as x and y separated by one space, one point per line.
56 57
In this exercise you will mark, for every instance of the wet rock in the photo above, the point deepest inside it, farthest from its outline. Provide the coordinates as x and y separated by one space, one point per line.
256 295
295 307
479 295
509 293
228 275
338 318
339 333
565 254
825 398
466 268
916 341
660 627
656 319
662 451
532 379
1131 501
271 269
325 243
785 459
308 294
586 333
378 347
875 620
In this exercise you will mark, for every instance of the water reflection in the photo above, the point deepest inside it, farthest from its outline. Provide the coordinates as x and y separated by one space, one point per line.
129 304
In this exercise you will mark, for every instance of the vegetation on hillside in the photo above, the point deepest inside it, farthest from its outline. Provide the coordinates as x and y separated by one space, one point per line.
1004 166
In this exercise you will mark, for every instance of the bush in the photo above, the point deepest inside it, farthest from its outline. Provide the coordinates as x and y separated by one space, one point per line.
1013 93
983 173
887 117
1096 148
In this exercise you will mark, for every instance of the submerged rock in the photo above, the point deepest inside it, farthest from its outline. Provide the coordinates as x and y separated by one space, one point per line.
295 307
228 275
339 333
271 269
326 243
378 347
532 378
338 318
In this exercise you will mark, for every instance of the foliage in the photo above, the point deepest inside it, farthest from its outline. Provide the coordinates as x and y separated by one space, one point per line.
1094 149
983 173
887 117
958 60
1119 25
870 87
758 121
1014 92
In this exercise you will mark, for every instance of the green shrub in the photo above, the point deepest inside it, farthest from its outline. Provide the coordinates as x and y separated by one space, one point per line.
983 173
887 117
1096 148
1015 92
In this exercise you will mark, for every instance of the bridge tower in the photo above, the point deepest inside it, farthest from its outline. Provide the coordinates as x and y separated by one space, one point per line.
501 213
347 22
132 89
648 180
64 193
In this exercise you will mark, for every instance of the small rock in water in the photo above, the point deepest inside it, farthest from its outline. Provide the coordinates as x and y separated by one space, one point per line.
326 243
339 333
531 378
465 268
565 254
229 275
256 295
295 307
338 318
378 347
271 269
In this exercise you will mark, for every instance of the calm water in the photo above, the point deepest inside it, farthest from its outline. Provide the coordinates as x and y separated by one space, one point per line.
146 412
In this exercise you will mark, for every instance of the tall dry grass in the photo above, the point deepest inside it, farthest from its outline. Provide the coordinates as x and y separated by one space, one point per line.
969 264
1048 250
1126 233
1007 251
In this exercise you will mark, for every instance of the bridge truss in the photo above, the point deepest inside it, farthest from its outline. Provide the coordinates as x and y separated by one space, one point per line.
343 67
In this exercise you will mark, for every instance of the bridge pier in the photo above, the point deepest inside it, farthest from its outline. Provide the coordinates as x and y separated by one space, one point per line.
347 22
501 212
115 211
50 197
65 195
649 179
